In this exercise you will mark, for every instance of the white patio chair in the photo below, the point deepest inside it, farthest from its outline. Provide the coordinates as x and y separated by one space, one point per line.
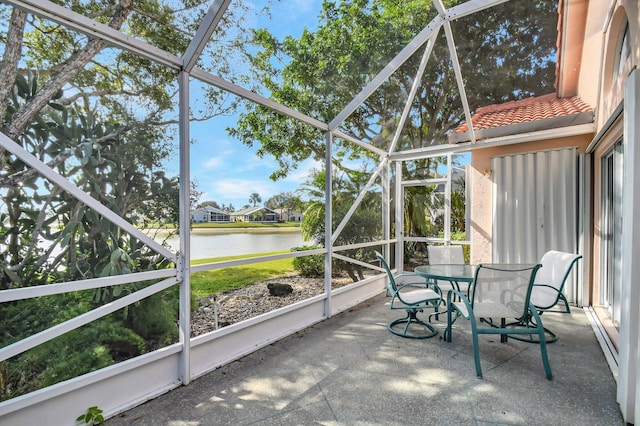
441 255
548 289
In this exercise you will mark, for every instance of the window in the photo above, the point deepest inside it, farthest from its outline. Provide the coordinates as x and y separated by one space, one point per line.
623 50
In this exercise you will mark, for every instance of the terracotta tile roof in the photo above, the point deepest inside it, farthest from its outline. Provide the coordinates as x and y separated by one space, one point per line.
526 110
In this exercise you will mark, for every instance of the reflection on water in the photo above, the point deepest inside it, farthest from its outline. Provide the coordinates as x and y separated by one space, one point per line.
217 245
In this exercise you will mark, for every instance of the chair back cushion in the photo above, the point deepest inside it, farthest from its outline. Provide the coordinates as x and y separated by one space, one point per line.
502 290
556 266
439 255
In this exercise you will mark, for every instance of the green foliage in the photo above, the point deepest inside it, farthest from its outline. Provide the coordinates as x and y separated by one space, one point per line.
105 121
355 39
363 226
88 348
309 266
154 318
458 207
255 199
92 416
119 167
287 202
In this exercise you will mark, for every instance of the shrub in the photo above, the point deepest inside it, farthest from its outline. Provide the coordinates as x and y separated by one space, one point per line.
89 348
154 318
309 266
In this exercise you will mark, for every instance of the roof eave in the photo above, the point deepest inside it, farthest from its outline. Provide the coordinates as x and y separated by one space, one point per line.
525 127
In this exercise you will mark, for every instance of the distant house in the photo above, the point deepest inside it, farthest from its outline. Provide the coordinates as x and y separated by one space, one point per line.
289 215
210 214
255 214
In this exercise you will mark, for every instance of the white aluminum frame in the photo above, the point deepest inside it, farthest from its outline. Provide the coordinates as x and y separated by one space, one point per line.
629 353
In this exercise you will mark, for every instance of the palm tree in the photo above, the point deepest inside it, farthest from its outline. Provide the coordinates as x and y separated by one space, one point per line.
255 198
364 225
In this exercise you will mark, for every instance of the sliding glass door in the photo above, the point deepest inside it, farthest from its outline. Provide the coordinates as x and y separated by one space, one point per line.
611 241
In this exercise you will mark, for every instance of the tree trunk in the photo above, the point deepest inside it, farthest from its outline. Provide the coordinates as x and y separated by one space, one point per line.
26 115
12 53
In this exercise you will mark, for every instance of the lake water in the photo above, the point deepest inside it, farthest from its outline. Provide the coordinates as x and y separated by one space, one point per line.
205 245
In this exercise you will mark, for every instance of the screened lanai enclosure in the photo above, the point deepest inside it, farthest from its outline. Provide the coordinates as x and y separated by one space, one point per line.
120 117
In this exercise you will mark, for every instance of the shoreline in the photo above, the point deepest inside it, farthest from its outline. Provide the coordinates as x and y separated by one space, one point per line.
221 231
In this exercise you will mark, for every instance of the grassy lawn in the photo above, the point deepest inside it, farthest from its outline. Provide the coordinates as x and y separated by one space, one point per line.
205 283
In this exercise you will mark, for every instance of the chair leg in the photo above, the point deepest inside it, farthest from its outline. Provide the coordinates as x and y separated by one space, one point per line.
543 346
409 320
436 313
476 348
551 336
447 331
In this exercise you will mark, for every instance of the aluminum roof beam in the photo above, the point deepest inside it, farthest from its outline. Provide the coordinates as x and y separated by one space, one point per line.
456 70
387 71
412 92
206 28
254 97
444 16
95 29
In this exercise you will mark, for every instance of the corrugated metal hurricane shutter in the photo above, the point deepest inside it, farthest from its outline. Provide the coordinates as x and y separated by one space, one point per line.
534 205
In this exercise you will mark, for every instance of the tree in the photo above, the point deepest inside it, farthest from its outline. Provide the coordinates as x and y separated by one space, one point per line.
255 198
365 225
277 201
120 171
458 206
105 119
119 79
286 202
102 117
505 54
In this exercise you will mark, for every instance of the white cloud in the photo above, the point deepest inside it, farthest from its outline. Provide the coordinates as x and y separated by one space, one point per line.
235 186
213 163
253 162
304 170
237 190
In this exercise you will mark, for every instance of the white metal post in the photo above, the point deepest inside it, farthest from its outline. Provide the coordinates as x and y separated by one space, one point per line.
447 202
585 227
628 380
386 208
399 208
184 257
328 227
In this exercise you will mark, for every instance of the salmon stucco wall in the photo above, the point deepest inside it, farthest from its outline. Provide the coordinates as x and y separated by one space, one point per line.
481 182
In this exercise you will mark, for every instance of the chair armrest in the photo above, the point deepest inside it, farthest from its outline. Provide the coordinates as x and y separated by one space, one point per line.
426 284
463 307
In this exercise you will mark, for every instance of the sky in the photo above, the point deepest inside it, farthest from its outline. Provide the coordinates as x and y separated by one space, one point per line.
227 171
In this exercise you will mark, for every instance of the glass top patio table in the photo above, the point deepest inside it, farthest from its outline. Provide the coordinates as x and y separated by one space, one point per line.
448 272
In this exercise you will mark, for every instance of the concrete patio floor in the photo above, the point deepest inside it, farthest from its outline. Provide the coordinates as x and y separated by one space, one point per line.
350 370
